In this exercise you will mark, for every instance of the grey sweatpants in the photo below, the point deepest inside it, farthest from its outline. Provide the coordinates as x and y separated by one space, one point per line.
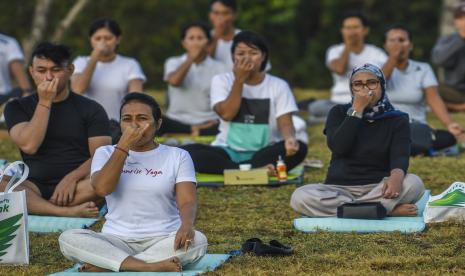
322 200
109 251
319 110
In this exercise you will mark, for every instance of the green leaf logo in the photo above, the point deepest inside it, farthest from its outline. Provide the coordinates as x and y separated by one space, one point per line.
455 198
7 230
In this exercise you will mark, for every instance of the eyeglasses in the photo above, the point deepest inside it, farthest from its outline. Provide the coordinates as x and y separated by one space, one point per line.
370 84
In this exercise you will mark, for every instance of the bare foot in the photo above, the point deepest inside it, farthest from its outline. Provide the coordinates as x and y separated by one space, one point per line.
92 268
86 210
172 264
403 210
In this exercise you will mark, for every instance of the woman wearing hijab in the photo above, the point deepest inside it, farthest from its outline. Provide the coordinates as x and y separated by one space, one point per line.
370 145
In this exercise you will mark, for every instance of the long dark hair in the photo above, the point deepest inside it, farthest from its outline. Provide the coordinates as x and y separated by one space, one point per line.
105 22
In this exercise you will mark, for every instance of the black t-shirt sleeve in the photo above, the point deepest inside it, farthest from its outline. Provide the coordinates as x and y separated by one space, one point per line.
15 114
97 121
341 130
400 145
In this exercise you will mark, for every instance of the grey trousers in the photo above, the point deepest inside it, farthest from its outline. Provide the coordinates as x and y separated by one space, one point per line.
322 200
319 110
109 251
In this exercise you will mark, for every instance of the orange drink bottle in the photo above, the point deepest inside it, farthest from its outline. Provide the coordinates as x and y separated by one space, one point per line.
282 170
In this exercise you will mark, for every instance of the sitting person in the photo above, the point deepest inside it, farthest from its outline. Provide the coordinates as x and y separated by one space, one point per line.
412 84
57 132
106 76
342 58
12 66
370 145
449 53
189 77
150 190
256 114
222 16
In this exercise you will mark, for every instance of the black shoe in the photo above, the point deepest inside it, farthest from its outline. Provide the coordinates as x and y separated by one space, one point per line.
257 247
249 245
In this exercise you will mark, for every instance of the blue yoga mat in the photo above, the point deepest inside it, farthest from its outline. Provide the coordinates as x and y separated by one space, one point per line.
389 224
209 262
49 224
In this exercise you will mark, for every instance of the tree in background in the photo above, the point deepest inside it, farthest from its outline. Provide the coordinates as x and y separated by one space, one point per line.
299 31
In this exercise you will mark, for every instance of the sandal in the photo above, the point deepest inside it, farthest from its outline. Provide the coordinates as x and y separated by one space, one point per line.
256 247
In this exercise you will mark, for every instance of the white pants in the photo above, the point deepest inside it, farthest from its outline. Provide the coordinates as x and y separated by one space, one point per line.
322 200
109 251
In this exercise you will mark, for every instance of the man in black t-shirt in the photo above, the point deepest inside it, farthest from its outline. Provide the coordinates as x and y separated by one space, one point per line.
57 132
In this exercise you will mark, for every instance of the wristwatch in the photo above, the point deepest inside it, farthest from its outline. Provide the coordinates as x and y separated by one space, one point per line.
352 112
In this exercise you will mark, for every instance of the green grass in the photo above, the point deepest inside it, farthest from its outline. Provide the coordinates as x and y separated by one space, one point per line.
229 216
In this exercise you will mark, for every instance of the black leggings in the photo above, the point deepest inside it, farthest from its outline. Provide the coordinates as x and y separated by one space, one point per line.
173 126
443 139
210 159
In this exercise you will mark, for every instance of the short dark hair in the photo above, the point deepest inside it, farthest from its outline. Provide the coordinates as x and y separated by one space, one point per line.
105 22
358 14
57 53
145 99
253 40
397 27
228 3
198 24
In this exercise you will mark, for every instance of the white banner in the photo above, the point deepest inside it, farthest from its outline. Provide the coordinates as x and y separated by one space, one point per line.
14 237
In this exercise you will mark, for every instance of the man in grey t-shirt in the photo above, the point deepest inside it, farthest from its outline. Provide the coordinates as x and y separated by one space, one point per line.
449 53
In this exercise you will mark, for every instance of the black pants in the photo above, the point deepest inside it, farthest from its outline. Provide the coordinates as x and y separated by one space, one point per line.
173 126
443 139
210 159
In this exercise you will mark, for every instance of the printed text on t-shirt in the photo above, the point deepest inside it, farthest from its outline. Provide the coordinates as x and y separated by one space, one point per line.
150 172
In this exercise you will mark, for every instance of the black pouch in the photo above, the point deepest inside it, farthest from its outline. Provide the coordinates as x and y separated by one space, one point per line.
367 210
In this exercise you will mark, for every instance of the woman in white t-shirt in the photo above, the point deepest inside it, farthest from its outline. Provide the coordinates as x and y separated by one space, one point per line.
412 86
105 76
255 111
189 77
150 192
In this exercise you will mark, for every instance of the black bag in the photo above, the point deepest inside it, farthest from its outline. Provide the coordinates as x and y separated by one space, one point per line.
421 136
367 210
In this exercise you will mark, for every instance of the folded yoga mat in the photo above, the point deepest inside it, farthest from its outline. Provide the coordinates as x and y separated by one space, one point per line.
389 224
48 224
209 262
295 176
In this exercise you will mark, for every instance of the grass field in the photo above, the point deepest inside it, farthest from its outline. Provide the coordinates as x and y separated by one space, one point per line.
229 216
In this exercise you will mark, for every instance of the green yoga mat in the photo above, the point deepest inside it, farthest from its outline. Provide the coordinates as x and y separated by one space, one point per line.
182 139
295 176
